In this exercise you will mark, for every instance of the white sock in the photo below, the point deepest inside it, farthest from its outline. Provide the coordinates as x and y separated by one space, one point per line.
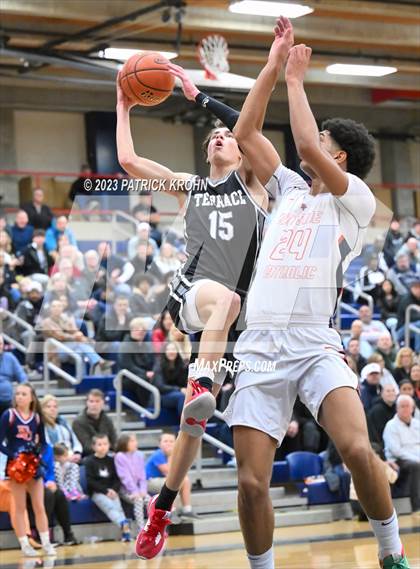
187 509
263 561
24 541
45 538
387 534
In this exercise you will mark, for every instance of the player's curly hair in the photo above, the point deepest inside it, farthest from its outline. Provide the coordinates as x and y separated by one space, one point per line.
355 140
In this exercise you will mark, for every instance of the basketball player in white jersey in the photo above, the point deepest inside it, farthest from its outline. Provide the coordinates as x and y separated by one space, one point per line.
314 233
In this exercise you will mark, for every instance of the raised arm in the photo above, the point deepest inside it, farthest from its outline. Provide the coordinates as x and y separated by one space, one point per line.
248 128
137 166
304 128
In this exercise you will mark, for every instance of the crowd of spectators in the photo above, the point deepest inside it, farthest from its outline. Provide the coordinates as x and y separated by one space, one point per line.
110 308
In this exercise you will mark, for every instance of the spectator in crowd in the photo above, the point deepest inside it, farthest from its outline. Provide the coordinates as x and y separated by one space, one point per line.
370 389
402 273
92 421
58 430
118 271
182 343
7 301
6 248
146 211
393 242
379 414
139 301
129 463
385 347
403 364
415 231
58 227
161 331
136 355
356 329
411 248
142 236
407 388
412 297
71 254
4 226
113 326
78 186
402 445
371 329
37 262
103 484
63 328
353 352
21 233
387 301
59 287
142 260
67 473
370 279
386 376
159 295
56 505
7 270
171 373
92 278
166 261
157 469
415 380
10 371
40 216
29 308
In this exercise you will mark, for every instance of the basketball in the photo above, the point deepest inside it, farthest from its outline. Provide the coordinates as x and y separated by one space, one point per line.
145 79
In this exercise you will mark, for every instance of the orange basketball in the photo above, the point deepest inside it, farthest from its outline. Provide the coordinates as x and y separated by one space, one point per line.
144 78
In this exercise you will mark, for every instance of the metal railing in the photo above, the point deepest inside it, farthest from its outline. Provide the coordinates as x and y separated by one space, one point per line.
122 399
50 366
9 339
410 327
361 294
119 213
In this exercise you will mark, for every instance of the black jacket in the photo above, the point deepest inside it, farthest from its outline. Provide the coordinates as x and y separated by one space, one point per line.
40 220
369 394
405 301
31 263
378 417
170 377
101 475
110 330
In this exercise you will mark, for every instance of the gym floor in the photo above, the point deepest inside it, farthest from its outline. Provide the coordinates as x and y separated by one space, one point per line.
339 545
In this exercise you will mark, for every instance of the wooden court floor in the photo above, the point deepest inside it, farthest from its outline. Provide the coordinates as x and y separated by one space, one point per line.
340 545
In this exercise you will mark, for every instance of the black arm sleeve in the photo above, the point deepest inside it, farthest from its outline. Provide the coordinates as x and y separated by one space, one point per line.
227 115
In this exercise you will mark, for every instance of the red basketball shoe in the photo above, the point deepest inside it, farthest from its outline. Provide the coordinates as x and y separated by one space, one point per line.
198 408
152 537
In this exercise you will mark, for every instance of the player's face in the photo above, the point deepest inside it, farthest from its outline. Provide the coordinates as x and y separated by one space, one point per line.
328 145
223 146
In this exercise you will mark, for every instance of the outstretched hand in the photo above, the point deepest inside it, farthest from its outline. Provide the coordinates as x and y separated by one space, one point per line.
189 89
122 98
298 62
283 41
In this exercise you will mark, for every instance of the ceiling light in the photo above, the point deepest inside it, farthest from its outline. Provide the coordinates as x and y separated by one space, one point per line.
274 9
361 70
124 54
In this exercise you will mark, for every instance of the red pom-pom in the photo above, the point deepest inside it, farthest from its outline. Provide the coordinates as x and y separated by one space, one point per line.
23 468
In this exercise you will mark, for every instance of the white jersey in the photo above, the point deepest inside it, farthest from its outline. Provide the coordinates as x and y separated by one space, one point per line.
308 246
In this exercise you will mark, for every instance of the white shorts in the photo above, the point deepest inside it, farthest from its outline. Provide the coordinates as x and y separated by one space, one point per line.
308 362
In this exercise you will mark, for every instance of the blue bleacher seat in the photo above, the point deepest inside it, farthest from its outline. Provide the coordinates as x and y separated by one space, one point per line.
103 382
303 464
281 472
167 417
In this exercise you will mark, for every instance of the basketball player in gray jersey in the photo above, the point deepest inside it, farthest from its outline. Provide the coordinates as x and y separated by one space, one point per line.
224 218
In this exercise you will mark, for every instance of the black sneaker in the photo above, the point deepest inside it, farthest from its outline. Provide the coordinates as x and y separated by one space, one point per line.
70 540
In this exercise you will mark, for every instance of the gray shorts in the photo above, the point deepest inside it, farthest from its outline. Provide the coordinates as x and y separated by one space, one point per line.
279 365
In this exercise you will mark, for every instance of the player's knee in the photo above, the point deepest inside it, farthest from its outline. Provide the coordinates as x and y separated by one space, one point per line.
357 453
229 303
252 488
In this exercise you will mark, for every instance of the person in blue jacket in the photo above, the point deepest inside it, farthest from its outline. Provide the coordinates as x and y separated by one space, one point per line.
10 371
